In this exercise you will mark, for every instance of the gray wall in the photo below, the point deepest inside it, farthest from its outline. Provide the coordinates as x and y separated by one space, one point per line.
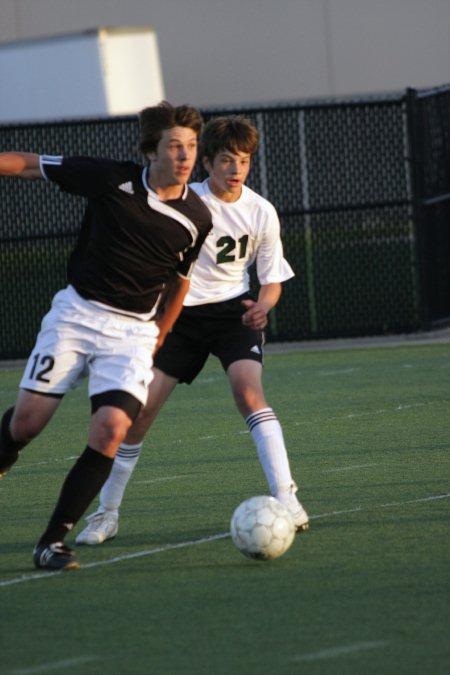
226 52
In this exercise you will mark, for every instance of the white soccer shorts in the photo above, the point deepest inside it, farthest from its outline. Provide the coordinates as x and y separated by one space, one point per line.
79 339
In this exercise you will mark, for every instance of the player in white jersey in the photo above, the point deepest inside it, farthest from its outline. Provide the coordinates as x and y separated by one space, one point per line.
140 236
219 317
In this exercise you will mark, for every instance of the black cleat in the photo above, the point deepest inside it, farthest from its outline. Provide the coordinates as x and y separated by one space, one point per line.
11 460
55 557
4 470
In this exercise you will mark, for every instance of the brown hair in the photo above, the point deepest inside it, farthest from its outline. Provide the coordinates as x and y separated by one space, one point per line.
154 120
235 134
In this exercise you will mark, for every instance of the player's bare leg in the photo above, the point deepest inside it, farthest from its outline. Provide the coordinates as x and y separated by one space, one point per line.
109 426
19 425
103 524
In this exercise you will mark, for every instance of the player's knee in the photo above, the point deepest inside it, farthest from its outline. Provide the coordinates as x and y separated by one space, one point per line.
115 432
108 431
113 413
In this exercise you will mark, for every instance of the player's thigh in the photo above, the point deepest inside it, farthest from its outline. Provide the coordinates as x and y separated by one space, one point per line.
159 391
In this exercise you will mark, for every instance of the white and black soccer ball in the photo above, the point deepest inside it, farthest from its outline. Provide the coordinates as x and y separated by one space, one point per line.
262 528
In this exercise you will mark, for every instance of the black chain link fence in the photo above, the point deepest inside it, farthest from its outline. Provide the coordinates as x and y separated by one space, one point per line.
429 115
354 183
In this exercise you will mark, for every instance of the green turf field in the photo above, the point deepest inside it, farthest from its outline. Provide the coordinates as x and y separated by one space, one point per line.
365 591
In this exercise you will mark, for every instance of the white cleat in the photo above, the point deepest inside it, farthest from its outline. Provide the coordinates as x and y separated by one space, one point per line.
298 513
102 525
301 519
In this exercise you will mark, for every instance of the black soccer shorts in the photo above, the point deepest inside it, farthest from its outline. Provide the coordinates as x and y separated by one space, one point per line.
215 328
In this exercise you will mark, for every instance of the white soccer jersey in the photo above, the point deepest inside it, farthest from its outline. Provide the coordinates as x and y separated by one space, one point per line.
243 232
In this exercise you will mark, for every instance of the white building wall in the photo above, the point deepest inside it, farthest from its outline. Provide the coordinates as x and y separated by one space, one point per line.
218 53
40 77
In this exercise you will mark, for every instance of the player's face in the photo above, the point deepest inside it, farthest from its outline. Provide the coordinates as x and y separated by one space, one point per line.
227 174
174 159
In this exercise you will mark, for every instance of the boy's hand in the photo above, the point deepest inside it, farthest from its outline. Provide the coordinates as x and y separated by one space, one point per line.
255 316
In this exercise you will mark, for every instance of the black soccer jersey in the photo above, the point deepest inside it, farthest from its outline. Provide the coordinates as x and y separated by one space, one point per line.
131 243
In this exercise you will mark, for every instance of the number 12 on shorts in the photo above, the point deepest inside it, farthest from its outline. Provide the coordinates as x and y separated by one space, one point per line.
41 365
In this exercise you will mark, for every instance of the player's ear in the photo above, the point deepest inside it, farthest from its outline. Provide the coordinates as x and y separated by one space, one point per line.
206 164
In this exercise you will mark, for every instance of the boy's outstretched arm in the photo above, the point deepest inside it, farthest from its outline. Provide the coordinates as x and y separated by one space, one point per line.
20 164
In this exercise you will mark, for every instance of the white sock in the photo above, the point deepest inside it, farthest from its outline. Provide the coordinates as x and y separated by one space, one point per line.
268 437
111 494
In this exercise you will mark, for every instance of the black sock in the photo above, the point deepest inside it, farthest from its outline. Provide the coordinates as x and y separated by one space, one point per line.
82 484
9 448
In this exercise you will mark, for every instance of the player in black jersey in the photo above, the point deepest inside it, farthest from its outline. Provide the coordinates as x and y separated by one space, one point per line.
140 237
220 318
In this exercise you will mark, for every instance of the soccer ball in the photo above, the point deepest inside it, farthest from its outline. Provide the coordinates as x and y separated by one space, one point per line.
262 528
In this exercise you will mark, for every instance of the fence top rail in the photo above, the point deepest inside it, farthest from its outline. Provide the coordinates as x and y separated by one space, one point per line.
350 101
355 101
386 98
436 91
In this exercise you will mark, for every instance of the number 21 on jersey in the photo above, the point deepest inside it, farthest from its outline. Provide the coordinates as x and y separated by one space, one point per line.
230 249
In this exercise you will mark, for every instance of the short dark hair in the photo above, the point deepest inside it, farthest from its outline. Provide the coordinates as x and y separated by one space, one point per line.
155 119
234 133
